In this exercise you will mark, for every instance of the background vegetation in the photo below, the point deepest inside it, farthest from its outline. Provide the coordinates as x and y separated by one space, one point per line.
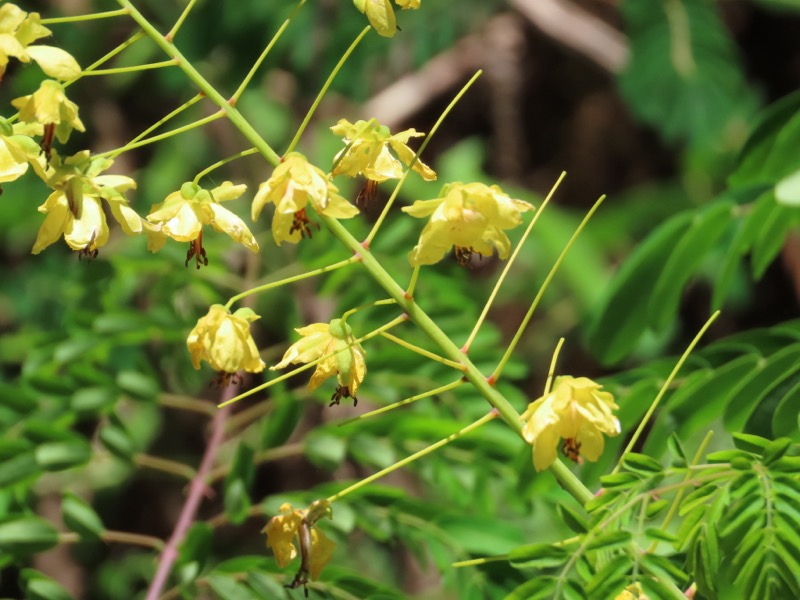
684 112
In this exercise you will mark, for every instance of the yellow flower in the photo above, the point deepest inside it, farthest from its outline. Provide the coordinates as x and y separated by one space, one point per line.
575 410
223 340
182 215
293 525
368 151
18 150
345 359
18 29
632 592
293 185
381 14
469 216
75 210
50 106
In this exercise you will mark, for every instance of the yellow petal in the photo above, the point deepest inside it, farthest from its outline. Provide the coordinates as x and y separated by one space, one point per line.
58 218
55 62
225 220
89 229
322 550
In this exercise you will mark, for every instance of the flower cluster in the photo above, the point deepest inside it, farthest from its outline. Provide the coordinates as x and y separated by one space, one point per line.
470 216
575 411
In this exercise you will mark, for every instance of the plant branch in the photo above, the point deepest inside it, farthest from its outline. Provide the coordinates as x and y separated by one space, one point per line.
197 489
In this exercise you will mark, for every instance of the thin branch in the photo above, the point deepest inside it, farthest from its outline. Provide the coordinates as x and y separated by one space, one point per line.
197 489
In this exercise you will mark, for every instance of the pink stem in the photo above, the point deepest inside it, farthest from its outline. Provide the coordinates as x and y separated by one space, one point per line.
197 490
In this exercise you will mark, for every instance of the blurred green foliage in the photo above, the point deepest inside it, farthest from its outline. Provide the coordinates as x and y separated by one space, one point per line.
94 371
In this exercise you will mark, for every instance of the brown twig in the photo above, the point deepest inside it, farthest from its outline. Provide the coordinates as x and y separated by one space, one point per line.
197 489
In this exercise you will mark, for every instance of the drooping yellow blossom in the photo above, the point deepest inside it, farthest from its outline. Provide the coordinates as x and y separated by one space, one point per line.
294 184
381 14
18 149
182 215
223 340
18 30
368 151
75 210
293 526
575 411
470 216
50 106
345 359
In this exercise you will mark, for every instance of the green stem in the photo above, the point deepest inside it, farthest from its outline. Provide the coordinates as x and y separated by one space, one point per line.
105 58
133 69
222 162
479 561
324 89
422 146
187 403
307 366
287 280
423 352
134 539
357 309
79 18
163 136
510 262
173 32
409 459
235 117
428 394
646 419
518 335
679 496
164 465
160 122
551 372
566 478
246 81
412 284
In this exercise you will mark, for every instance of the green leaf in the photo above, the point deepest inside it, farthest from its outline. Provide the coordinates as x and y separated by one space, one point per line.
540 556
617 327
610 579
27 535
767 374
92 399
683 76
38 586
700 237
609 540
228 588
138 385
237 502
770 154
572 518
243 467
243 564
772 234
264 587
641 463
619 480
57 456
80 517
283 419
324 449
787 190
196 546
784 418
117 441
655 507
19 468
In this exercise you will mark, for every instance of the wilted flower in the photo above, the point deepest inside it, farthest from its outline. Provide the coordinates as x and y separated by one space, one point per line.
368 151
293 526
223 340
469 216
632 592
50 107
293 185
345 358
74 209
183 213
18 30
575 411
381 14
